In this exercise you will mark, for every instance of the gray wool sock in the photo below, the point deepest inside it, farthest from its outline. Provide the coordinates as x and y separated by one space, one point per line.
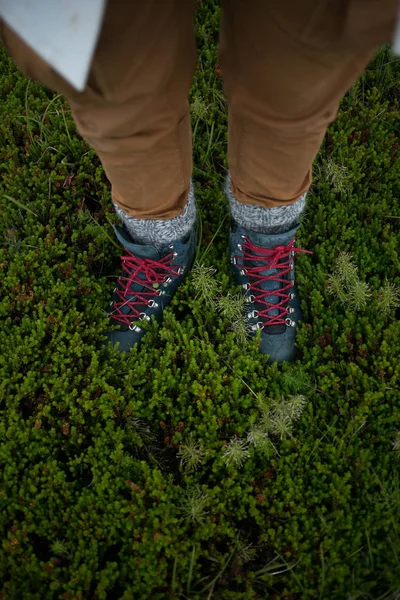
160 232
264 220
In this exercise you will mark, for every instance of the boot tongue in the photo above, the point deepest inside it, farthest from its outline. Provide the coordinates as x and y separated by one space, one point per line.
270 242
266 240
140 250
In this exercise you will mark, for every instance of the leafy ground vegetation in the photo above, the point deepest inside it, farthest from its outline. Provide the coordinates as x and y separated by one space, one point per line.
191 469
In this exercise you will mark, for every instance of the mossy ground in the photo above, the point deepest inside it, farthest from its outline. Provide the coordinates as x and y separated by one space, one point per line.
190 468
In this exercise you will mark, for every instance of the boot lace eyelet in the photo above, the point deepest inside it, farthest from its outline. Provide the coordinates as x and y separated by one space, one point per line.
134 328
246 286
290 323
152 304
253 314
243 272
240 247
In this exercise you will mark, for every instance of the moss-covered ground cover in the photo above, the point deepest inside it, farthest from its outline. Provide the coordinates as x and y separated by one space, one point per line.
190 468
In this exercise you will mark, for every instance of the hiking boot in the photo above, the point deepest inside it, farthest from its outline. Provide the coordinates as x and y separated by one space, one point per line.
148 284
265 263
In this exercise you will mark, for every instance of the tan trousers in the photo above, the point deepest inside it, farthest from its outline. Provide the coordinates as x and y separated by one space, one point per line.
285 64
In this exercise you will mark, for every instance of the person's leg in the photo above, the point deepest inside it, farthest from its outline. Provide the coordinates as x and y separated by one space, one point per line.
135 112
285 65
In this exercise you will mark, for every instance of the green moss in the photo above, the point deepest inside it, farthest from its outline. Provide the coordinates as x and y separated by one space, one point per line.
191 468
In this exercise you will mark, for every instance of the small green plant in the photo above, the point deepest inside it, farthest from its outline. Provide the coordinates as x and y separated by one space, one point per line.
198 112
232 307
335 287
194 505
388 298
191 453
295 381
346 269
337 175
236 452
204 284
359 295
280 414
198 108
257 435
59 548
345 284
241 329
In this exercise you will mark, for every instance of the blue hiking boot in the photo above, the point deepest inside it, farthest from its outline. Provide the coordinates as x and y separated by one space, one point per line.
265 263
151 280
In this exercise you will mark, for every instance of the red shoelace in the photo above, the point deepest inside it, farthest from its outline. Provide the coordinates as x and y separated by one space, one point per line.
271 258
155 271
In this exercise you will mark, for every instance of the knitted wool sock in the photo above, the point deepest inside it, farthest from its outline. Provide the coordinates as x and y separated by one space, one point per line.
265 220
160 232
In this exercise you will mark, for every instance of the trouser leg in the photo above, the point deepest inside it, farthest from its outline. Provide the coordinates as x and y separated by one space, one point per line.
134 111
286 65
